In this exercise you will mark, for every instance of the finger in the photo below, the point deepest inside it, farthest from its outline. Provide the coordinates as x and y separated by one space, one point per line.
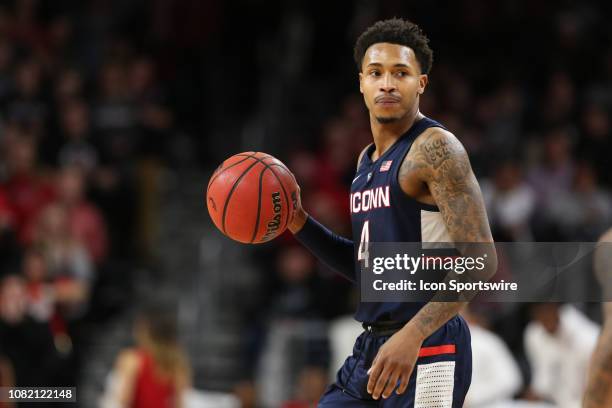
373 364
373 372
383 378
404 380
391 383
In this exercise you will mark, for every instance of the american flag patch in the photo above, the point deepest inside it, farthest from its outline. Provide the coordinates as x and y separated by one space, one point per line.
386 165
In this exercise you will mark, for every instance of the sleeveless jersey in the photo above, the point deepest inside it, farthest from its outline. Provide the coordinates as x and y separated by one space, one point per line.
150 390
382 212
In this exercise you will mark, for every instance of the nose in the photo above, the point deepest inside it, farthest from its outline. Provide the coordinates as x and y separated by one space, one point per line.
387 85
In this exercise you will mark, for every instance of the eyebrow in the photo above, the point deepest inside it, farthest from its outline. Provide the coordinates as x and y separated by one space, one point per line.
378 64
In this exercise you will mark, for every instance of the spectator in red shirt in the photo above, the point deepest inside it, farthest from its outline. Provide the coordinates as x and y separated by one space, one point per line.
85 221
26 191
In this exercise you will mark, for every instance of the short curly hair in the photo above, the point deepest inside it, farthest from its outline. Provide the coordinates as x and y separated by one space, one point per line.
396 31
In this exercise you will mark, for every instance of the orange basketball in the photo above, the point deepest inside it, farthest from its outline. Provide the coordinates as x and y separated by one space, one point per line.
251 197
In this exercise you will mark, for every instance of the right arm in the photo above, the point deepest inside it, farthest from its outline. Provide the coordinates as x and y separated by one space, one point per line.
126 370
333 250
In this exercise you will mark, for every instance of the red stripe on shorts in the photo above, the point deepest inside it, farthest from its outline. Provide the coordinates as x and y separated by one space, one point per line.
437 350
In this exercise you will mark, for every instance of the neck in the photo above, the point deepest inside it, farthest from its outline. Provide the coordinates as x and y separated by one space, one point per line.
385 134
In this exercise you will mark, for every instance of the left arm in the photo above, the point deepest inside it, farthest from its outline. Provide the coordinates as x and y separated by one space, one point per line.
445 168
438 160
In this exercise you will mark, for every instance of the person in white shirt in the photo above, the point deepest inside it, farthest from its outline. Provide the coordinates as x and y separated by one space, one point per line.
558 344
496 376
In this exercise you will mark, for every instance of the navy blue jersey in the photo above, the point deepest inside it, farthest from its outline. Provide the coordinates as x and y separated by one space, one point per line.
382 212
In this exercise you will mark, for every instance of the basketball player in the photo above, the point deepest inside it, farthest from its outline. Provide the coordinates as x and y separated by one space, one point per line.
411 354
599 387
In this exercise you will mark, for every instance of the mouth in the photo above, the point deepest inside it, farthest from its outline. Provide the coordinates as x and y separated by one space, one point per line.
387 100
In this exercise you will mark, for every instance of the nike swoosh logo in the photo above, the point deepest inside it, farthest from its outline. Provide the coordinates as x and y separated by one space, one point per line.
355 179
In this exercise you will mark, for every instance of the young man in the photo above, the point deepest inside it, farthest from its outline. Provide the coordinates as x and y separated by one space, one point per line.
599 387
411 354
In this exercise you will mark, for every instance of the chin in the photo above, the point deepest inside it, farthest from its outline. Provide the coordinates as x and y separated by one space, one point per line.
387 119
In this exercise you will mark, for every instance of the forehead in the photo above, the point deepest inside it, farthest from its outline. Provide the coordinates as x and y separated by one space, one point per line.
389 54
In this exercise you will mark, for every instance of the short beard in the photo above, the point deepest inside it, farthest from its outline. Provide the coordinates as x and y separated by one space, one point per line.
387 120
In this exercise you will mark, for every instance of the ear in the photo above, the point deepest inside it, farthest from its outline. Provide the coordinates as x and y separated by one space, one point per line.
360 80
423 79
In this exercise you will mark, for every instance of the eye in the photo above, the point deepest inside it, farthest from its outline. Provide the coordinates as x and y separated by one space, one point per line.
401 74
375 73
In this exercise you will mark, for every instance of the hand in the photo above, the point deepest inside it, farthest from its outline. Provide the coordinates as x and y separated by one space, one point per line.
299 217
394 362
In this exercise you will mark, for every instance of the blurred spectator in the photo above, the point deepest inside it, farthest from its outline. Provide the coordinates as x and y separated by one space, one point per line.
558 105
596 143
310 386
303 165
296 334
551 178
504 118
27 106
156 372
25 27
51 299
496 377
510 203
85 221
338 157
114 114
298 296
342 334
584 212
58 41
28 344
67 260
27 190
559 342
77 148
148 94
68 86
555 173
41 296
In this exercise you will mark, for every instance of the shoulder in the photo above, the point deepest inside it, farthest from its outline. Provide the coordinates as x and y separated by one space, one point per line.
436 151
438 145
128 360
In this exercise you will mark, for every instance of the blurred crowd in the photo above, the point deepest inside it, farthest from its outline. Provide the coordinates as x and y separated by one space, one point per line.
95 95
75 124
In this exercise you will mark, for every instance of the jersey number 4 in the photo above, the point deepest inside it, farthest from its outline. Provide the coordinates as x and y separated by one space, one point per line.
364 243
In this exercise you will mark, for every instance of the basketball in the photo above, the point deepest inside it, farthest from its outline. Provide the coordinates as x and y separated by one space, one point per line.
251 197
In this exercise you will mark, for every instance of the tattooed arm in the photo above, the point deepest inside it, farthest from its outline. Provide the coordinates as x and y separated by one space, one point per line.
436 170
599 387
440 161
